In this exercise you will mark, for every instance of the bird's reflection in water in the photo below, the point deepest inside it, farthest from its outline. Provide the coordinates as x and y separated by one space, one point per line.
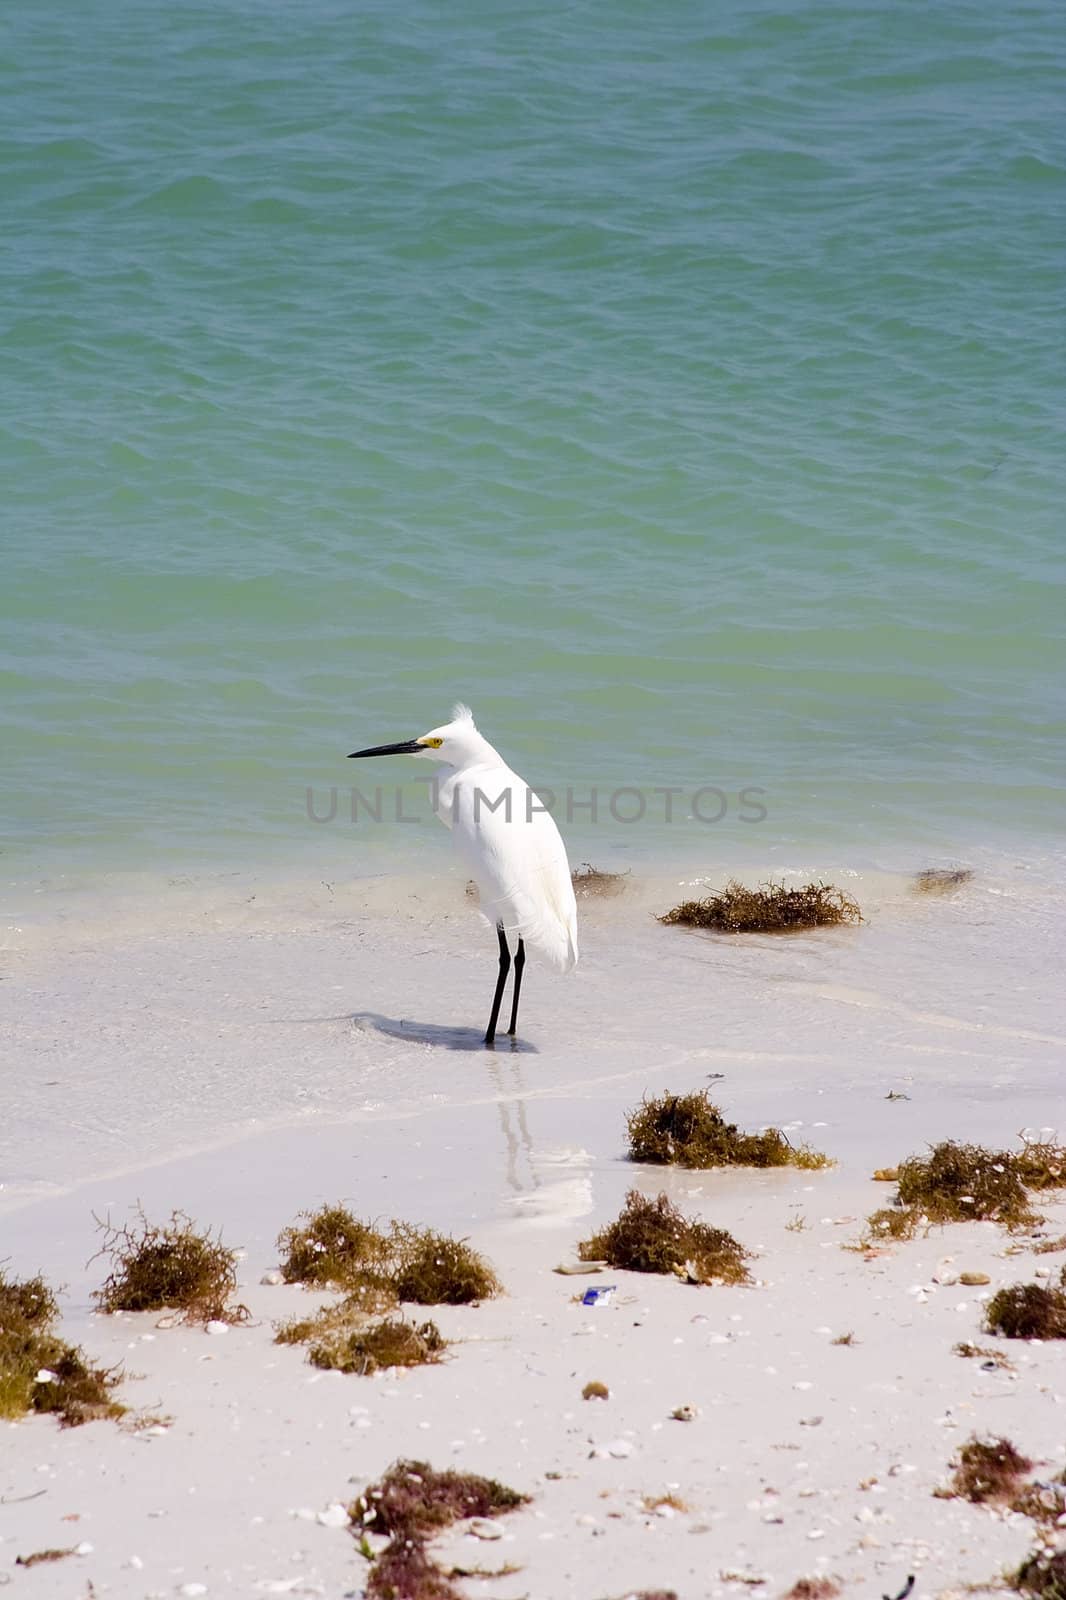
505 1076
514 1125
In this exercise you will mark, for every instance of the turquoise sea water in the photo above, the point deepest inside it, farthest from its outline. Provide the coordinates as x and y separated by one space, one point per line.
680 386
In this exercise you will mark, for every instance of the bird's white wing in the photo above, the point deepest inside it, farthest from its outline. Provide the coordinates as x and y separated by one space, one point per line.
514 853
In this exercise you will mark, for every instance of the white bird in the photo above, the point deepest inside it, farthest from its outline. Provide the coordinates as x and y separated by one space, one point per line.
507 842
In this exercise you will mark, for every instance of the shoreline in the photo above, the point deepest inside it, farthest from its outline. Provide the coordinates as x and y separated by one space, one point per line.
37 904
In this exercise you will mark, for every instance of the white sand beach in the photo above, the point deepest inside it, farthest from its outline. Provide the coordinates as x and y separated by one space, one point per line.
245 1051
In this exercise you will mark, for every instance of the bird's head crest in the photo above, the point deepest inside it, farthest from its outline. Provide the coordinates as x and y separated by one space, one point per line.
461 713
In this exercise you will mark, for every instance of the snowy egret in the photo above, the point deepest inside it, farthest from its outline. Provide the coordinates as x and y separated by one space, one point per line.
508 843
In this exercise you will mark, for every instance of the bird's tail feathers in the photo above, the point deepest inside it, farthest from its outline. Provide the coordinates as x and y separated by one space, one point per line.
552 935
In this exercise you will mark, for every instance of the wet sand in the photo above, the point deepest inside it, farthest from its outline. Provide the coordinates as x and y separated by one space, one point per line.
246 1059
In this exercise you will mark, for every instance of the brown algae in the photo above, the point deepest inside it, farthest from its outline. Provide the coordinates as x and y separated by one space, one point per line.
772 908
39 1371
334 1249
941 880
40 1557
983 1352
991 1472
432 1269
688 1130
651 1594
891 1225
988 1472
413 1498
965 1183
410 1506
343 1338
1044 1503
653 1236
592 884
959 1182
1041 1164
173 1267
391 1343
1029 1311
1042 1575
379 1267
669 1500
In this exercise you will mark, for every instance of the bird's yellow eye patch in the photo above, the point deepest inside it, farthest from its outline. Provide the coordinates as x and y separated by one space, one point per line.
434 744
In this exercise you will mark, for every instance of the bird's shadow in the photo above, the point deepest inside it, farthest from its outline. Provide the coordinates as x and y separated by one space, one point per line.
438 1035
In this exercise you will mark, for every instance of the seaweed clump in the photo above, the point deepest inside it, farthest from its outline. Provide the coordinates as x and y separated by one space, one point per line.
39 1371
590 883
342 1347
410 1506
173 1267
653 1236
941 880
379 1267
336 1249
772 908
1041 1164
967 1183
41 1557
988 1472
343 1338
1045 1503
983 1352
1029 1311
652 1594
892 1224
688 1130
814 1589
434 1270
1042 1575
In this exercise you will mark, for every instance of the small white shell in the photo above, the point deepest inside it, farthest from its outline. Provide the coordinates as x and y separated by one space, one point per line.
334 1516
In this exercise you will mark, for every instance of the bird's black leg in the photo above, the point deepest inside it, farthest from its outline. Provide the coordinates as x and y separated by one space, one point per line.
505 967
519 963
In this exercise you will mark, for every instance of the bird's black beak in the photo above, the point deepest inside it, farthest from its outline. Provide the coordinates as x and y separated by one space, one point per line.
408 747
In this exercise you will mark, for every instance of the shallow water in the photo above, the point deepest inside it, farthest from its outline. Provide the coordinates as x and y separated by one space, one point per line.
681 396
138 1036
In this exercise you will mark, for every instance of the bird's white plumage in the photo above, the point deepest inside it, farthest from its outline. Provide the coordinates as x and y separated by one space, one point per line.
506 840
